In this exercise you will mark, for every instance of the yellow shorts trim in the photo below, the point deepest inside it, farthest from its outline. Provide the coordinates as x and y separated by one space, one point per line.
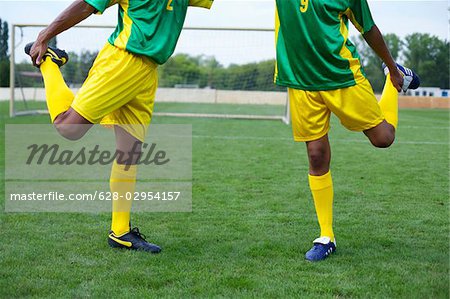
120 90
355 106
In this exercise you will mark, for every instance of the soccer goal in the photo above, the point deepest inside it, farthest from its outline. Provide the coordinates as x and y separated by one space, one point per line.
214 72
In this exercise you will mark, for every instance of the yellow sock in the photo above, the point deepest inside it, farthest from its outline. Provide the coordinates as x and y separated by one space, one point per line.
59 96
122 183
389 102
322 191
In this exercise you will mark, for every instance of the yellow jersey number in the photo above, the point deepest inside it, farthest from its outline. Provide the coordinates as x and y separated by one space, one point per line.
304 5
169 5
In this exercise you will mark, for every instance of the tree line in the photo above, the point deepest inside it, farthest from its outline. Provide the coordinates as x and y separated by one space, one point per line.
4 56
428 55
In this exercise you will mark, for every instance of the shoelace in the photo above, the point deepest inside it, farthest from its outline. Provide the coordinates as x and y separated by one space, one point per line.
135 231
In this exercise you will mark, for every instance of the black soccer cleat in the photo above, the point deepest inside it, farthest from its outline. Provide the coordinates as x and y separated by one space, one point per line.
58 56
132 240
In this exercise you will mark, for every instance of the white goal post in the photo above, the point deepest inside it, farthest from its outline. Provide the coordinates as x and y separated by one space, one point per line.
229 80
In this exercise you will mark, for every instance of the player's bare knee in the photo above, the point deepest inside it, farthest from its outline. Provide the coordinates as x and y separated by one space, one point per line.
319 155
69 131
70 126
318 158
381 136
384 141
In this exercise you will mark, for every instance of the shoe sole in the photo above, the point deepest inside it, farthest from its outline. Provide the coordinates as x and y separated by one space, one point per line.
114 244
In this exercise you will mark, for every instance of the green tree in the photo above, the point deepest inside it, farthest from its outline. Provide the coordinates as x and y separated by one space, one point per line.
206 71
86 60
429 57
372 63
4 36
210 70
394 44
27 81
76 71
181 69
71 71
4 57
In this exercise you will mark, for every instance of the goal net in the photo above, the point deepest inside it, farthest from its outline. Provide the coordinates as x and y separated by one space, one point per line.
214 72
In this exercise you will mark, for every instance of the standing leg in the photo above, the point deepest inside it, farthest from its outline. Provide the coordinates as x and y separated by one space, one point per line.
123 180
122 184
310 124
321 185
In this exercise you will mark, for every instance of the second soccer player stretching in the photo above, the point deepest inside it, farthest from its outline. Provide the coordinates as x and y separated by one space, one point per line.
323 73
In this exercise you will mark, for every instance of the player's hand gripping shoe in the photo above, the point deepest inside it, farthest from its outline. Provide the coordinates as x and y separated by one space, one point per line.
58 56
410 79
322 248
132 240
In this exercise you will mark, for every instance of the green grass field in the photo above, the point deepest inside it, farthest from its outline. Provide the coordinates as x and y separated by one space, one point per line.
253 219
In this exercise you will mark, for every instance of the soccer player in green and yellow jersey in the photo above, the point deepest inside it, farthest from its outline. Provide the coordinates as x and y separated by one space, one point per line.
323 73
120 89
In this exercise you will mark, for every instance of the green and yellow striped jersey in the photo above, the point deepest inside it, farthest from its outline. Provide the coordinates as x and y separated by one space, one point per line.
313 49
149 27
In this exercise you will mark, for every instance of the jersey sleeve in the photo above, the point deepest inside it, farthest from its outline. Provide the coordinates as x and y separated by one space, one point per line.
101 5
201 3
359 14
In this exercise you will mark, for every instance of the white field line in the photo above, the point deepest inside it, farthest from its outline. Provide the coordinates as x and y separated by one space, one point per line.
426 128
291 139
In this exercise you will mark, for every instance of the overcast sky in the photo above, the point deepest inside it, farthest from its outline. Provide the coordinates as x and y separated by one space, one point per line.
400 17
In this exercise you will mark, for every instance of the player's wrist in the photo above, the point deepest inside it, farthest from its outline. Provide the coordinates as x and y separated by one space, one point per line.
43 37
392 70
391 65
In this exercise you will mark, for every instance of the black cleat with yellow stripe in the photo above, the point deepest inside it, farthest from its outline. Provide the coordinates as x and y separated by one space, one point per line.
132 240
58 56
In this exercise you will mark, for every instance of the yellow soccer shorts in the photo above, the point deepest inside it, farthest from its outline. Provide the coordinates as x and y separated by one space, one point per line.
119 90
355 106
